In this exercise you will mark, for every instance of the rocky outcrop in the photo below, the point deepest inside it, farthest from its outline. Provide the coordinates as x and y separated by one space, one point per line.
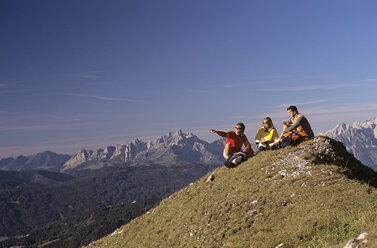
360 139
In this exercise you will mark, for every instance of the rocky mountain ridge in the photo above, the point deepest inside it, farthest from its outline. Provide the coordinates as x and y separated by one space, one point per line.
360 139
46 160
172 148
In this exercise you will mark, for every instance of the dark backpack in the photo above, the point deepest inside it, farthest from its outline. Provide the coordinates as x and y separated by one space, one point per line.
293 138
235 159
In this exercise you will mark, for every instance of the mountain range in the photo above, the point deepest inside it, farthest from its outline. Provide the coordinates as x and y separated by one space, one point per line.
43 161
169 149
174 148
360 139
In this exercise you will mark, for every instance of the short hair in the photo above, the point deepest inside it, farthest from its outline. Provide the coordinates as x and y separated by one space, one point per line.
241 125
292 108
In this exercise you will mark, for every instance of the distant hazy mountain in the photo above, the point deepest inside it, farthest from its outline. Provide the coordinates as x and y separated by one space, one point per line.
35 176
44 160
172 148
360 139
81 229
24 207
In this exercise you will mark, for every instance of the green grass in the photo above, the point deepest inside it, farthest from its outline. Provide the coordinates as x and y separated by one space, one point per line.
253 205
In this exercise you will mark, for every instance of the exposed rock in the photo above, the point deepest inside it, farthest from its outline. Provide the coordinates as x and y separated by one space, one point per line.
323 149
294 164
117 231
210 178
358 242
360 139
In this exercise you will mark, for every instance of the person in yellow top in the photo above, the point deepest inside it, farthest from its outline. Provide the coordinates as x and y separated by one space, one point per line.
266 135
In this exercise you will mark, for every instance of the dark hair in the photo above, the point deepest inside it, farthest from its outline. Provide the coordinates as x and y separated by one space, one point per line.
241 125
292 108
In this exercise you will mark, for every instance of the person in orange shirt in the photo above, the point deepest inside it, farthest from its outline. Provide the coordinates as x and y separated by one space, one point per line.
235 140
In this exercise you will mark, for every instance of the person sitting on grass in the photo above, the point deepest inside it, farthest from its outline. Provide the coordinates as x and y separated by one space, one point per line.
297 122
266 135
296 129
234 141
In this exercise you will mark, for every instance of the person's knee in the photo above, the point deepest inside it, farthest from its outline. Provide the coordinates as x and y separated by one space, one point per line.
227 153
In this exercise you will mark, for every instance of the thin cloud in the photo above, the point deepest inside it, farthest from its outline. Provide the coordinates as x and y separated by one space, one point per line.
3 85
304 103
366 80
226 86
103 98
322 87
216 86
41 127
198 91
331 111
91 74
337 109
5 91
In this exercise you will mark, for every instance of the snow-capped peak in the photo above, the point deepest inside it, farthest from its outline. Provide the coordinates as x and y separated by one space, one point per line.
359 139
179 146
371 123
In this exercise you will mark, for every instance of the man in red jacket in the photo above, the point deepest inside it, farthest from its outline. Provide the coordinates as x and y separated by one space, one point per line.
235 140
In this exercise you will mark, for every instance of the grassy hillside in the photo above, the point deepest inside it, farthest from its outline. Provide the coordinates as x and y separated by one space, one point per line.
312 195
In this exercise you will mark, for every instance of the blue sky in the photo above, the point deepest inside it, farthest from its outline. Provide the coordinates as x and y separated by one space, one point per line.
87 74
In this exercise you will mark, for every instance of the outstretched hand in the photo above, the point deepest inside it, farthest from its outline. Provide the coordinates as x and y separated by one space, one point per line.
213 131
